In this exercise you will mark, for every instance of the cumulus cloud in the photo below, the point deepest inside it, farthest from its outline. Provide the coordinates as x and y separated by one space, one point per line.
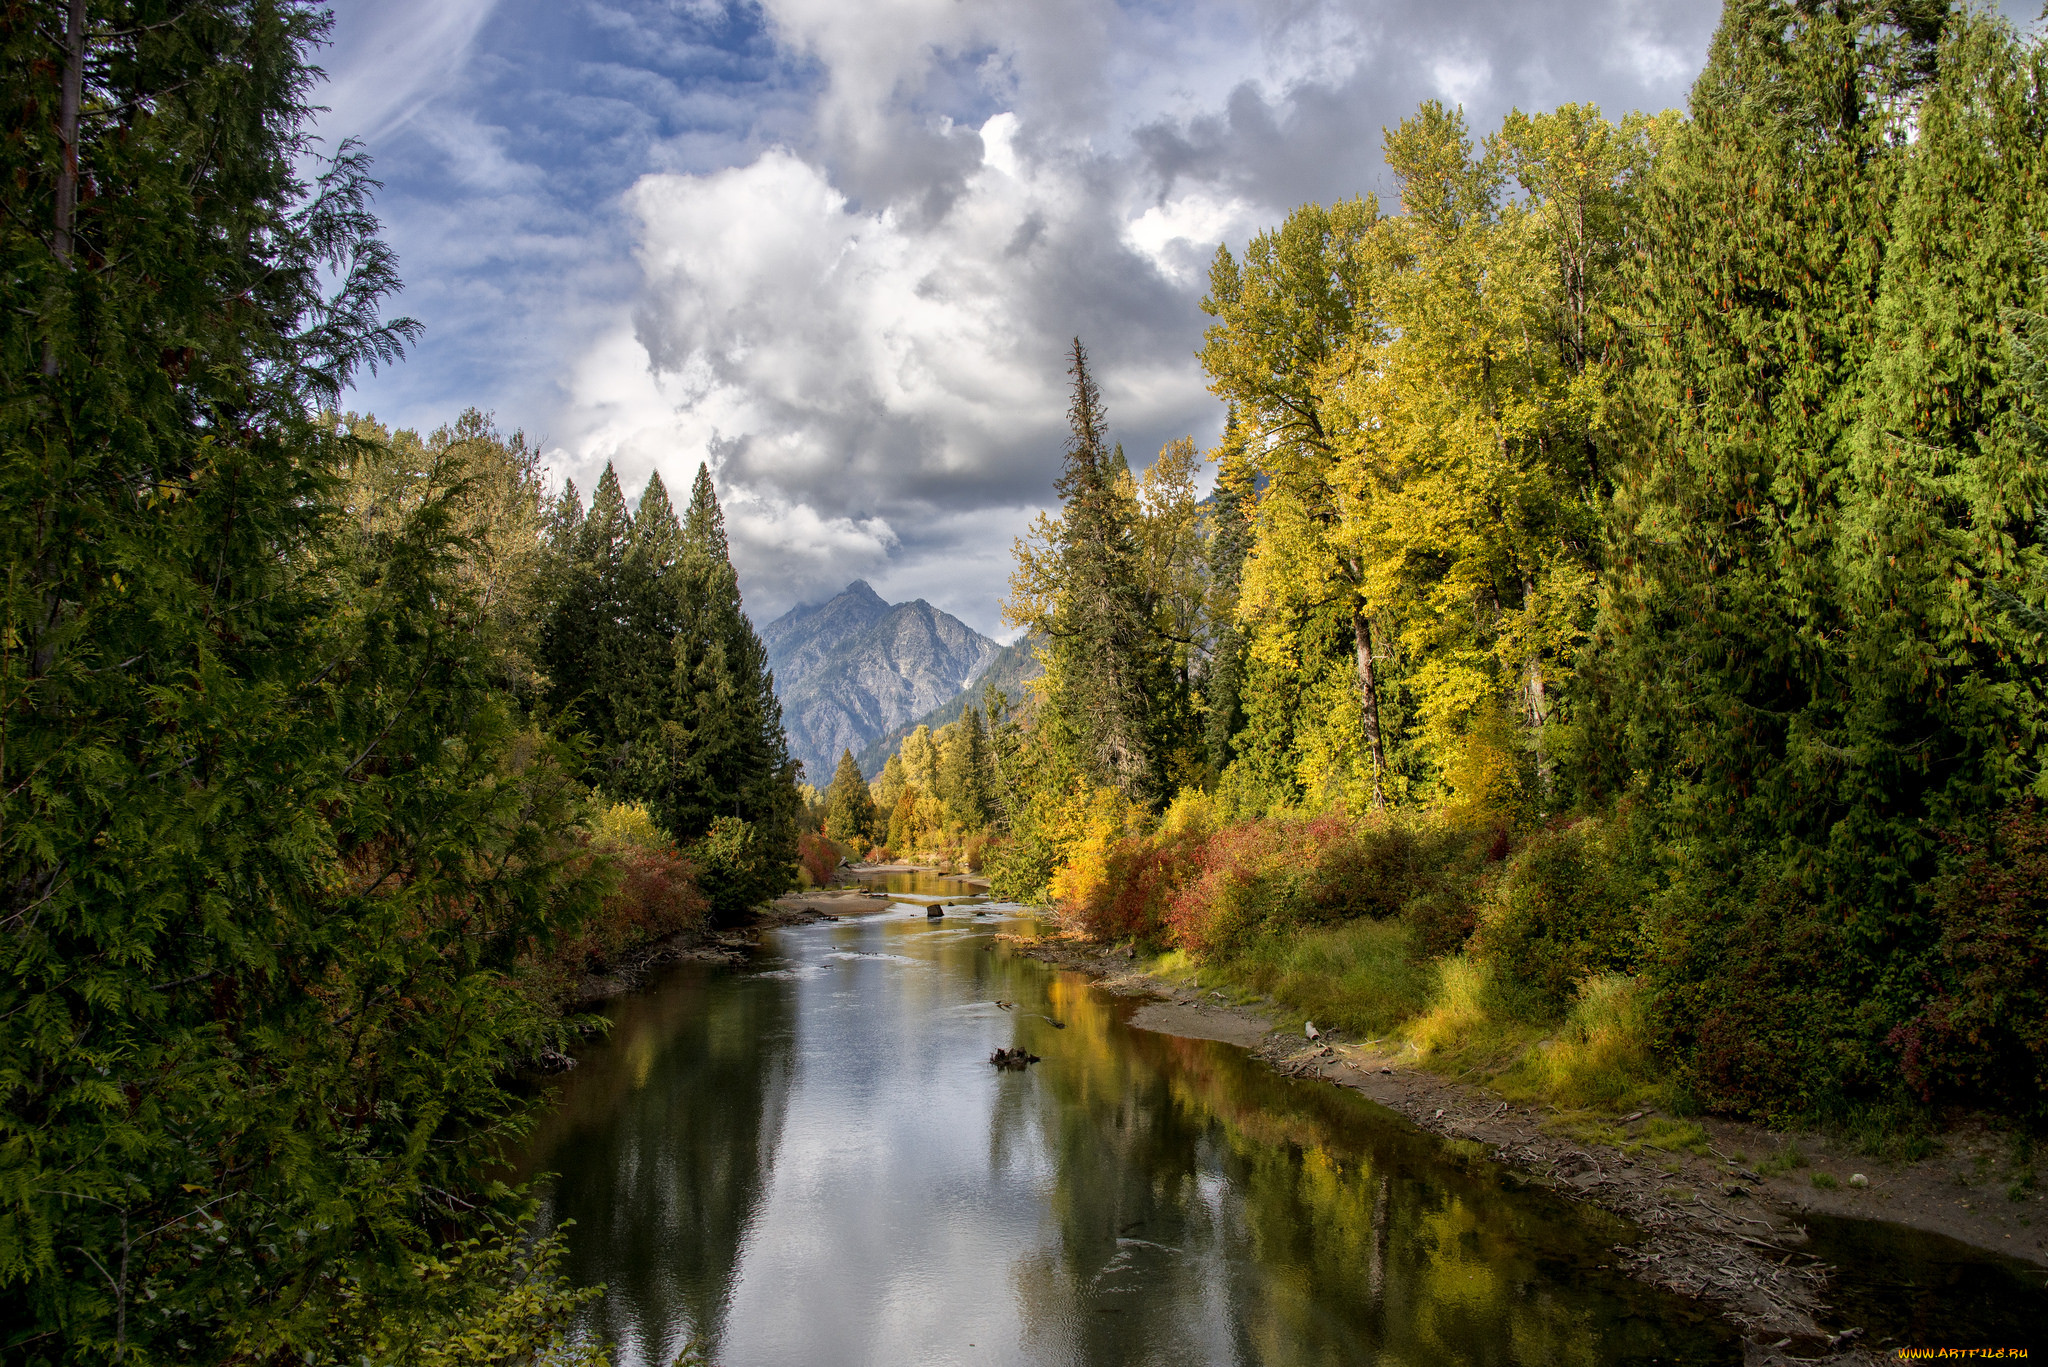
844 246
863 328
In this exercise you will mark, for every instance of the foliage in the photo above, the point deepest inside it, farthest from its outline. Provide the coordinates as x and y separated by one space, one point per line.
645 643
850 817
820 857
737 867
1561 914
1982 1036
499 1301
278 836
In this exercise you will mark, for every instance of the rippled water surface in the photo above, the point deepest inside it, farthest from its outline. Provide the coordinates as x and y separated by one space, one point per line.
811 1161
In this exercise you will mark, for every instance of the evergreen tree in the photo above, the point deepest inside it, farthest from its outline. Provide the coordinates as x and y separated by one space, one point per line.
888 786
720 752
849 808
272 838
1778 644
1082 586
966 780
1229 541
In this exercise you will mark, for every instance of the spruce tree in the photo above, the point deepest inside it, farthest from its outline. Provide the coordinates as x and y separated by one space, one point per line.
1102 660
720 753
966 779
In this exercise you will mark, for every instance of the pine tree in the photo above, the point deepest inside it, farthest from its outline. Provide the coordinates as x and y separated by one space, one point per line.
849 808
1082 587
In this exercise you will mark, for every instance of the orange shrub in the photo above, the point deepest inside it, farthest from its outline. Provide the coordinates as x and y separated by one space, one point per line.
1280 872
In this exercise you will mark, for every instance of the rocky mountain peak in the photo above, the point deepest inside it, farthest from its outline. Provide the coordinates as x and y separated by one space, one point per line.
854 667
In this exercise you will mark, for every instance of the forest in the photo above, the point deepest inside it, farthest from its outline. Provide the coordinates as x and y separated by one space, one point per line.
1610 658
333 756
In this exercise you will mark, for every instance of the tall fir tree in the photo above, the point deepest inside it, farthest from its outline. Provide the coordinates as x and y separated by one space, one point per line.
1082 588
1737 666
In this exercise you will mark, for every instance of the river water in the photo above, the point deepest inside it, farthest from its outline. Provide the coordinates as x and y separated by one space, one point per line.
810 1160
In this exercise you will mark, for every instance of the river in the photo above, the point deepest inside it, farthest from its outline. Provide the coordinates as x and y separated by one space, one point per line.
810 1160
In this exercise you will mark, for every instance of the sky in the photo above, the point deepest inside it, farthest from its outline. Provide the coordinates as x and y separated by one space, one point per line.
837 248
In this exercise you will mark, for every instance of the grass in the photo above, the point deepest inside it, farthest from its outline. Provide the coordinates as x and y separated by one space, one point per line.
1359 977
1782 1162
1825 1181
1363 977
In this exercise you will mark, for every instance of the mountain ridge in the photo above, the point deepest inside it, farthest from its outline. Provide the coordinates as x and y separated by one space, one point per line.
853 667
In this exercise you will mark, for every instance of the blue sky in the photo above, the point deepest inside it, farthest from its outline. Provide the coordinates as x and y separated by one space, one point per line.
835 247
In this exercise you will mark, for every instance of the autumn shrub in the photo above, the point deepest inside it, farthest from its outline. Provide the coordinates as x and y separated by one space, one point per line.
974 850
1559 914
1982 1036
655 891
1442 916
1255 877
1115 878
819 857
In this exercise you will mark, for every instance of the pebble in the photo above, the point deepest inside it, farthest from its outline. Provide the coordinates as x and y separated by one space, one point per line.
1857 1179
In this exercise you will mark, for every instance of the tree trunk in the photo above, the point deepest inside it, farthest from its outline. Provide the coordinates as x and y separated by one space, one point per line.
67 137
1369 706
1537 705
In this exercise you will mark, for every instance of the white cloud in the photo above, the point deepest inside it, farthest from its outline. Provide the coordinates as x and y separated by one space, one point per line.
390 59
846 270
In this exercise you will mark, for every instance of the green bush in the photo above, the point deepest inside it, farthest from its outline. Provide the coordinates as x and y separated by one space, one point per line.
1561 913
736 869
1983 1035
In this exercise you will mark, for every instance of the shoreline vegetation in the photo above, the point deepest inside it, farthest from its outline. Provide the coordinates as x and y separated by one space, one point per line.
1612 665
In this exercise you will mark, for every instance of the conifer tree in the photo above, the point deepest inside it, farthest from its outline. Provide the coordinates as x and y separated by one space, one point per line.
1730 636
271 839
849 808
720 752
1081 584
965 776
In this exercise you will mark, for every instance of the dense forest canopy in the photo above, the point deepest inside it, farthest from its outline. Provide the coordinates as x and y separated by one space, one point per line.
1617 623
1624 579
301 824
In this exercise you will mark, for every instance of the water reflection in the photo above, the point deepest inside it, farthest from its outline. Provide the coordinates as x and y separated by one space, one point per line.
811 1161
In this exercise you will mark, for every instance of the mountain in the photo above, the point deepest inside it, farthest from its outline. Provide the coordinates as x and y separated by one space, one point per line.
855 667
1011 671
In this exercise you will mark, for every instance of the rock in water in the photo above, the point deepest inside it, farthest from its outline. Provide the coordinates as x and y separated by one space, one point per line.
934 914
1013 1058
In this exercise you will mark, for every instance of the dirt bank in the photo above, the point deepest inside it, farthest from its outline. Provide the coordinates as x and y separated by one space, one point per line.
1714 1227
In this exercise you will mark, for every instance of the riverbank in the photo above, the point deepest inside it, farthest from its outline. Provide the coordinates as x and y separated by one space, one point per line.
1720 1204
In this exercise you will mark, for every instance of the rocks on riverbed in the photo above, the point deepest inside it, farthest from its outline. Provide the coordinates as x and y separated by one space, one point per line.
1013 1058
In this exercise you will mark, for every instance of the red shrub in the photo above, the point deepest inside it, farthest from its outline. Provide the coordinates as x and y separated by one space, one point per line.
657 895
820 857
